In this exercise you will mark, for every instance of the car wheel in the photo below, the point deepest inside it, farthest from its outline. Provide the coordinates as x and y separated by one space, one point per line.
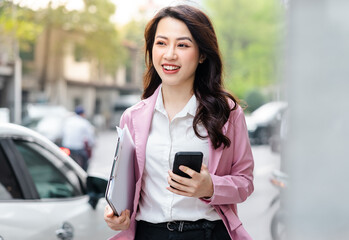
278 226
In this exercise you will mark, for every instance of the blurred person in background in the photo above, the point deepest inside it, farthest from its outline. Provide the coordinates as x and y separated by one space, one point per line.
78 137
185 108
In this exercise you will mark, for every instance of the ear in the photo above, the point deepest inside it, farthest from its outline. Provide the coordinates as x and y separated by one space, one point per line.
202 58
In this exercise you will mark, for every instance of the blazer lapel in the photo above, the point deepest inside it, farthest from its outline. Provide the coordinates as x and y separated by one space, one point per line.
141 120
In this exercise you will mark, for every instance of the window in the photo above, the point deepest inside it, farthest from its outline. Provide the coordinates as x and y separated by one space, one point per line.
77 102
79 53
47 172
27 54
9 187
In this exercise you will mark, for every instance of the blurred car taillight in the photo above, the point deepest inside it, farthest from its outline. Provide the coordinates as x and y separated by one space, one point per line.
65 150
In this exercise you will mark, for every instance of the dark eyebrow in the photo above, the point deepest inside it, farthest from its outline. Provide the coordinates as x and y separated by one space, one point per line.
180 38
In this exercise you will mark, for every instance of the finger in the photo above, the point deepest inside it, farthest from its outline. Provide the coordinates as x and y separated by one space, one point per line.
174 184
119 223
176 191
172 175
128 213
116 219
178 188
123 217
187 170
108 211
178 179
203 168
128 219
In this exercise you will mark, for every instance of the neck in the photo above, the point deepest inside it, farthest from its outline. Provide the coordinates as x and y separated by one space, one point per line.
175 98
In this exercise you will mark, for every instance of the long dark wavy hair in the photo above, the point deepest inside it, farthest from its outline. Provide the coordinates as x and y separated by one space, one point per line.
213 110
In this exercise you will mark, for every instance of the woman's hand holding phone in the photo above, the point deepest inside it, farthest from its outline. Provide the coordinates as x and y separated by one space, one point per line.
117 223
199 185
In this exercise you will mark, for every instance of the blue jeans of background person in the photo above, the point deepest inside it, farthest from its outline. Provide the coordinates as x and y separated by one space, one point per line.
80 156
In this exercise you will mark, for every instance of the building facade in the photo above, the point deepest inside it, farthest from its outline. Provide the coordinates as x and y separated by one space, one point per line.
54 74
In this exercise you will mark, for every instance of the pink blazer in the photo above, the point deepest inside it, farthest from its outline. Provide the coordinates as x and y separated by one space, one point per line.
231 168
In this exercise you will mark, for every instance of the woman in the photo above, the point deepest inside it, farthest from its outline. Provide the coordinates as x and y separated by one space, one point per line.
185 108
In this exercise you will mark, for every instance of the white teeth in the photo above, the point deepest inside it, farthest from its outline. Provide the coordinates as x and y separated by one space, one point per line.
170 67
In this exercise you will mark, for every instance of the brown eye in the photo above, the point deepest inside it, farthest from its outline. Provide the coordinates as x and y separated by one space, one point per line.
160 43
182 45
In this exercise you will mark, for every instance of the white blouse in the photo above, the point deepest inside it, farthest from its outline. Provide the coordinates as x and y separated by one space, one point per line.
157 204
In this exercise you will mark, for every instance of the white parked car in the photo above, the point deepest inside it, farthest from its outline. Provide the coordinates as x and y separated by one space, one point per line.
44 194
264 122
48 120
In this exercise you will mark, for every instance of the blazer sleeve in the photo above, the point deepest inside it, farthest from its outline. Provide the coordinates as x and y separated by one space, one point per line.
237 183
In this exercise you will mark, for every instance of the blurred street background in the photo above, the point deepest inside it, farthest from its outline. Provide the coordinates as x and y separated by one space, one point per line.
286 60
59 54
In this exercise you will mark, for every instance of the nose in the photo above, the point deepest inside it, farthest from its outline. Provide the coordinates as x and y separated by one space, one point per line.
170 53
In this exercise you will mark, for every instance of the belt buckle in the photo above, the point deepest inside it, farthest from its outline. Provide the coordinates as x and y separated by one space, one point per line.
180 227
168 226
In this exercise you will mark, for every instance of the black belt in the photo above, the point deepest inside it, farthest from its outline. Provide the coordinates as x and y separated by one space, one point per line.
182 226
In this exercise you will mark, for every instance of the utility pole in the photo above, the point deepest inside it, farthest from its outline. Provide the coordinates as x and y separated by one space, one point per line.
17 77
47 48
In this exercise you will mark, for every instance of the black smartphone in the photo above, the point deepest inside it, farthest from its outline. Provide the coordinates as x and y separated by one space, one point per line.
193 160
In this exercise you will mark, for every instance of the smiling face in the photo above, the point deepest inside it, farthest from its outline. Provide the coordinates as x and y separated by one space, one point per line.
175 53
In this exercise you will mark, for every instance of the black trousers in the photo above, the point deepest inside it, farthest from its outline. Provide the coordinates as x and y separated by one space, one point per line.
199 230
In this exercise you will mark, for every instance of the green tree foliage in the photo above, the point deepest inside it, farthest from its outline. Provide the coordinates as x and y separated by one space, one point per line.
98 36
102 39
133 35
248 33
134 31
18 24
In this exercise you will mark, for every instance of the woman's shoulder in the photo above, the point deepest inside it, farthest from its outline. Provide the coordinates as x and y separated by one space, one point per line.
142 105
236 109
135 107
235 106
